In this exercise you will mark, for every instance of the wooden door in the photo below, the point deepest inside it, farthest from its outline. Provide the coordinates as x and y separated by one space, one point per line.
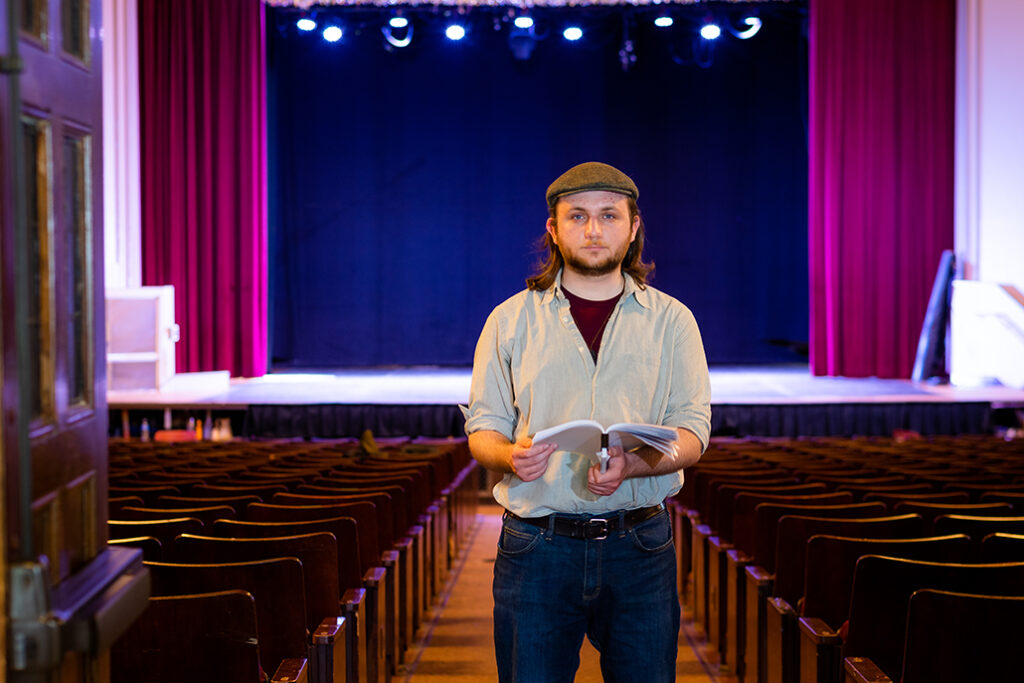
54 382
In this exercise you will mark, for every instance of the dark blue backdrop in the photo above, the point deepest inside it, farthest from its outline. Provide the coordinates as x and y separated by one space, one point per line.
407 187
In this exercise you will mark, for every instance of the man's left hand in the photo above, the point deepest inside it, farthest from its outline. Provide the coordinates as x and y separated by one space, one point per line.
606 483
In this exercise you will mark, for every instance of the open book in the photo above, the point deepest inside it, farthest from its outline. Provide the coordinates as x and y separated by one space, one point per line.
584 437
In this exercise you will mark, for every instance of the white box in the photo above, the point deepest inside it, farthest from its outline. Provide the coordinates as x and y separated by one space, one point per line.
141 334
987 332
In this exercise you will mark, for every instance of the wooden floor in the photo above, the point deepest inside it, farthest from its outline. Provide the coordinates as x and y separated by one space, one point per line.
456 644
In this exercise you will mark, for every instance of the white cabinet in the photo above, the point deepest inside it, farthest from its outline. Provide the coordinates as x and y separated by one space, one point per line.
141 334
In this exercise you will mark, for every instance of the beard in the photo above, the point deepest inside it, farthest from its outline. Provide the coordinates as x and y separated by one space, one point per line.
577 264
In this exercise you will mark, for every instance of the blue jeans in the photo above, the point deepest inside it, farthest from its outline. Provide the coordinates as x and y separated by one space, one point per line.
550 591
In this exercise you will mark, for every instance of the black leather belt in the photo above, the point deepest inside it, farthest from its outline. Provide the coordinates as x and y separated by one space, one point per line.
593 528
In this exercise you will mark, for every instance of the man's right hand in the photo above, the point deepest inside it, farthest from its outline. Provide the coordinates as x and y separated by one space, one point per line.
528 461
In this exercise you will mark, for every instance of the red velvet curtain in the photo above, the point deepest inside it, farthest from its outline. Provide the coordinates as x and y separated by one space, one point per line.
880 177
203 156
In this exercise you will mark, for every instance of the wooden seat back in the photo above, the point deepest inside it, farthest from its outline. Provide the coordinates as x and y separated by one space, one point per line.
976 491
114 505
205 514
723 506
261 491
416 486
318 553
166 530
702 479
768 514
388 532
364 513
276 585
149 493
1000 547
794 531
882 587
220 641
962 637
401 508
931 510
1014 498
976 526
860 491
835 481
236 502
151 547
830 562
891 499
745 505
350 571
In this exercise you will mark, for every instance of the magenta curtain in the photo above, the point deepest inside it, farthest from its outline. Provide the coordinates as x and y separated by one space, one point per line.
203 157
880 177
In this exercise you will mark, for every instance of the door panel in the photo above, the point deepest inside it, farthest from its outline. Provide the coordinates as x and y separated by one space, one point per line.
53 115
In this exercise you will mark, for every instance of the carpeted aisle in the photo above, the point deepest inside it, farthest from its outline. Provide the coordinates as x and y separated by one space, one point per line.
455 644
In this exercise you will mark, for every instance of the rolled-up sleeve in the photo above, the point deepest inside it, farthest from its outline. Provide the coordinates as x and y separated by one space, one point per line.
491 399
689 403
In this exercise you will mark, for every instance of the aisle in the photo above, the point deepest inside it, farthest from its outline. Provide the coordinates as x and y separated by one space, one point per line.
456 644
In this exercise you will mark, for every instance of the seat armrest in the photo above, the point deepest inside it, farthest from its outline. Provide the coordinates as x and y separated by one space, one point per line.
291 671
389 557
758 574
863 670
329 630
739 557
374 576
818 631
328 651
782 607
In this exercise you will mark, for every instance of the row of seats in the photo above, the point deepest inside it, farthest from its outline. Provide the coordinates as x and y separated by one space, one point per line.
341 548
780 540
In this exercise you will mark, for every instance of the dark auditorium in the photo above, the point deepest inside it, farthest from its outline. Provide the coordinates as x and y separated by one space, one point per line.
511 341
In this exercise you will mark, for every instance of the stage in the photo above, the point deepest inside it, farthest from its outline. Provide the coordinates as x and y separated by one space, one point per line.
423 401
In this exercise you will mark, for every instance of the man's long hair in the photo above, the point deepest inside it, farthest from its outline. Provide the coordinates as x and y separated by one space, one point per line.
633 264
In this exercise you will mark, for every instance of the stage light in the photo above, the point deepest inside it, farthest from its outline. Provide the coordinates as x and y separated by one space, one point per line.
710 31
332 34
572 33
389 32
753 24
455 32
305 24
663 22
523 22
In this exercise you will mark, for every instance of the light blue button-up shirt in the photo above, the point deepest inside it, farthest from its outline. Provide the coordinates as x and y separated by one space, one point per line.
532 370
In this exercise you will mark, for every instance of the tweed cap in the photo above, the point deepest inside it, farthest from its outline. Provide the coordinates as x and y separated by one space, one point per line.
590 176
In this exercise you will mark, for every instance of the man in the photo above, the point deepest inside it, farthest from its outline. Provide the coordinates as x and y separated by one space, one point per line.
585 551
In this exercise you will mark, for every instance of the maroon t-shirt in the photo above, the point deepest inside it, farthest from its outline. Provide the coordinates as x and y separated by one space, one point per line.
591 318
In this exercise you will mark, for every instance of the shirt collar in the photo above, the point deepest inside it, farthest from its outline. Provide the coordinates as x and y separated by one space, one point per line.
630 288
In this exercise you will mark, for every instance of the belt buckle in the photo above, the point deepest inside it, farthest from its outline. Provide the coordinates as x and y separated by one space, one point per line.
602 530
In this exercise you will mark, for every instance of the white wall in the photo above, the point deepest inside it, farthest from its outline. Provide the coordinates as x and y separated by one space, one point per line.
122 225
990 141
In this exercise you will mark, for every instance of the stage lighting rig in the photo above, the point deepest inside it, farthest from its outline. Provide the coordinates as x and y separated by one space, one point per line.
397 32
753 25
710 30
332 34
455 32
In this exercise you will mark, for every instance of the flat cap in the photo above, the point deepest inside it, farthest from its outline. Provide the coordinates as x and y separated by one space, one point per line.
590 176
